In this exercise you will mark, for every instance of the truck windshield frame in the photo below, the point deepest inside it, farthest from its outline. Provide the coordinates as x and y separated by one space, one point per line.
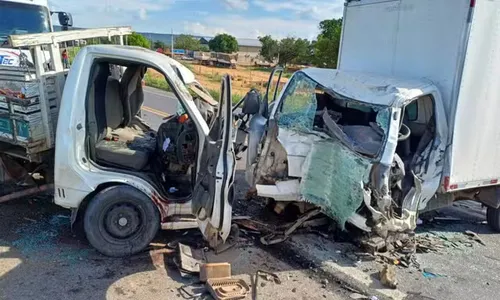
20 18
303 112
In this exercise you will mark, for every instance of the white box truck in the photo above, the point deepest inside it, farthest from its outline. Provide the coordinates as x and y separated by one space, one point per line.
455 44
408 122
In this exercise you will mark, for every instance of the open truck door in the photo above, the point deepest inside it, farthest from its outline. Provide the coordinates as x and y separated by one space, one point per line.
213 191
258 124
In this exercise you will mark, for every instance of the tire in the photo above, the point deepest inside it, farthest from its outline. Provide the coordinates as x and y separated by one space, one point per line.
121 221
493 218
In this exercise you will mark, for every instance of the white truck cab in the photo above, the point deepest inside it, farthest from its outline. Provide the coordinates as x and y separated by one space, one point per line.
116 167
81 133
24 16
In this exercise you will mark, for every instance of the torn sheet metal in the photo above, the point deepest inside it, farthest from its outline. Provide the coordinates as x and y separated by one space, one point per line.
333 179
371 88
281 191
275 238
298 146
189 260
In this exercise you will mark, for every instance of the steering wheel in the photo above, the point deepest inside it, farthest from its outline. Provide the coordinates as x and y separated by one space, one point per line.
404 132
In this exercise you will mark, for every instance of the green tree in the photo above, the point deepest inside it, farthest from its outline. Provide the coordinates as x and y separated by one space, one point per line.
326 47
136 39
287 51
187 42
270 48
303 52
159 44
223 43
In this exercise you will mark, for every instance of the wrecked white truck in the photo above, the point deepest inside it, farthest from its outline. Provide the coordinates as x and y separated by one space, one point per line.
406 124
103 161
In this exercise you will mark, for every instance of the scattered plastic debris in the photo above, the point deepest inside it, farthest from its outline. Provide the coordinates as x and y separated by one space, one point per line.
358 296
43 238
388 276
430 273
227 289
475 237
215 271
189 260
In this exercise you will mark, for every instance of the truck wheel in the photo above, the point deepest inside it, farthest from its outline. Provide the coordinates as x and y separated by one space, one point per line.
121 221
493 218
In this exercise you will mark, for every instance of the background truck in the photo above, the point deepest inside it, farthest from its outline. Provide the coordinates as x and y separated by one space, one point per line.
31 85
407 123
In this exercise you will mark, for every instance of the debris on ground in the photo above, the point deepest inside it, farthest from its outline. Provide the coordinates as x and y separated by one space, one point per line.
430 273
227 289
388 276
361 296
215 271
358 296
192 291
475 237
278 237
269 276
231 241
189 260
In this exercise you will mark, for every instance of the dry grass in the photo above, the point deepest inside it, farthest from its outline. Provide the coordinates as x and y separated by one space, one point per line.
242 78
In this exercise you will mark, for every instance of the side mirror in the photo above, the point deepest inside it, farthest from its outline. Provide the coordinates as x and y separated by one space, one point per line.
251 102
65 19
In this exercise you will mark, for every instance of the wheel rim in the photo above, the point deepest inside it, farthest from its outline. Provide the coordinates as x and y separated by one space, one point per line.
122 221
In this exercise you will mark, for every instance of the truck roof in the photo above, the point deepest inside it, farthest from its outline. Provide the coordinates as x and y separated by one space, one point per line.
34 2
371 88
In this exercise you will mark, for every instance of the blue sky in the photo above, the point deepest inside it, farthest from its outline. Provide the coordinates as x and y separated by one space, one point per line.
241 18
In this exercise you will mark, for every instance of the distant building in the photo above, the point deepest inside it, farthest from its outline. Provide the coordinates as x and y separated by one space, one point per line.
249 49
248 53
204 40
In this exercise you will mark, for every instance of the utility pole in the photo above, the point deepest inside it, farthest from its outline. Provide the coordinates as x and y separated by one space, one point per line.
172 42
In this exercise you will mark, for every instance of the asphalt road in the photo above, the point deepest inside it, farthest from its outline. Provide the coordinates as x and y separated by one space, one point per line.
157 105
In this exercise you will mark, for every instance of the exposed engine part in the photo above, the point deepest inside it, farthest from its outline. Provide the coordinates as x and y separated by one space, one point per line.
397 172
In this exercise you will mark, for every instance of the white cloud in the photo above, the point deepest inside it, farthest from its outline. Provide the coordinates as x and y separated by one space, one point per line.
143 14
95 13
236 4
198 28
311 9
242 27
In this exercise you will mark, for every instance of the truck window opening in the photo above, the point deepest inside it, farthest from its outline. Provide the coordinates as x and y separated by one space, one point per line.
419 117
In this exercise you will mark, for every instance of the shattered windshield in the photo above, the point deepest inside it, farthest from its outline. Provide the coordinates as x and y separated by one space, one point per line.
18 18
308 106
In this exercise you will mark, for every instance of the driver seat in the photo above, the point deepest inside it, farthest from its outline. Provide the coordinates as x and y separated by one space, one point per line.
131 153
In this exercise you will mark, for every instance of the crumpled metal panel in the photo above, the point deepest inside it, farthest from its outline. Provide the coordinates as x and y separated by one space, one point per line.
334 179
